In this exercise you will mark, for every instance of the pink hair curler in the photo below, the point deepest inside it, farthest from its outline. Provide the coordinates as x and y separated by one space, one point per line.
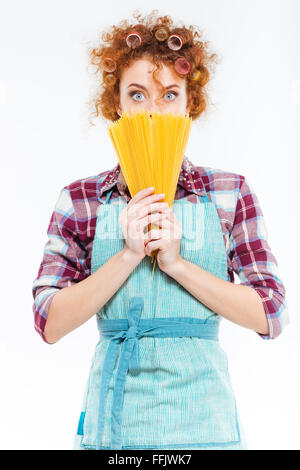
134 39
182 65
175 42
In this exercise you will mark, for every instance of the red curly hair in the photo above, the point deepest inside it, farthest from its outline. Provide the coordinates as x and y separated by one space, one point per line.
114 46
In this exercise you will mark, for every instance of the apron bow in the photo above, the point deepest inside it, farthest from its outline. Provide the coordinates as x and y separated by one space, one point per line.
129 359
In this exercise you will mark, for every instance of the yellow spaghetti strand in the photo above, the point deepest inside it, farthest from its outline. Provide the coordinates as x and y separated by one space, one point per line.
150 152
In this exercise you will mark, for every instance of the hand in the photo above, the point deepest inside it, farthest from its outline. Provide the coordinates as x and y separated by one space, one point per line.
135 217
166 240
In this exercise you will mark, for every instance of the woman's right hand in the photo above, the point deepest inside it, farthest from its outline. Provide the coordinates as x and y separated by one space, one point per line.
141 210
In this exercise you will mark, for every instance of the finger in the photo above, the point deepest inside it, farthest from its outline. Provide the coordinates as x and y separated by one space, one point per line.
140 195
155 218
167 231
148 202
141 210
164 224
153 245
145 196
155 234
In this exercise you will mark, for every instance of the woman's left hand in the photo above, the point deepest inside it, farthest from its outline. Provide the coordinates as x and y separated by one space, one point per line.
166 240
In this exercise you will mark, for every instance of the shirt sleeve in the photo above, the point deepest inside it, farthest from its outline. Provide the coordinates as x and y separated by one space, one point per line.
253 261
64 260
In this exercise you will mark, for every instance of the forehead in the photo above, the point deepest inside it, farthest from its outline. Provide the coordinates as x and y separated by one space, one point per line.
141 70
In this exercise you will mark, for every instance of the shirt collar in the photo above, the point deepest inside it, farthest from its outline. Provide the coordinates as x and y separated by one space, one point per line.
189 178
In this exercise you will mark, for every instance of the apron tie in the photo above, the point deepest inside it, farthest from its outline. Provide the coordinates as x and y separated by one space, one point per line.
129 359
129 331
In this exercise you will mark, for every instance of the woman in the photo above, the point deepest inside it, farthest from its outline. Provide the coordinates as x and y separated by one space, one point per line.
170 388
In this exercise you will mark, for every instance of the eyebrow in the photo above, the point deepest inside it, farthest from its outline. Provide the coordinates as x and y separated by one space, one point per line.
144 88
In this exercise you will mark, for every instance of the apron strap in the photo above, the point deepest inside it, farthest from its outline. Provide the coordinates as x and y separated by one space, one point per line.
205 197
107 199
108 195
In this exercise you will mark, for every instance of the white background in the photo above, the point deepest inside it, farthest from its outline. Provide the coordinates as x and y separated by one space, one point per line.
46 143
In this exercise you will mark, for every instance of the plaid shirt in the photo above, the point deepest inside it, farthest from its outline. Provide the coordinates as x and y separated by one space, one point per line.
67 253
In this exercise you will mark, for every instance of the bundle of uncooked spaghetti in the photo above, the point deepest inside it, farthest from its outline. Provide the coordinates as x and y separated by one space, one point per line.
150 151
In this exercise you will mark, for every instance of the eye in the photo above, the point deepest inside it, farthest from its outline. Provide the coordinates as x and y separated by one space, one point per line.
171 93
132 93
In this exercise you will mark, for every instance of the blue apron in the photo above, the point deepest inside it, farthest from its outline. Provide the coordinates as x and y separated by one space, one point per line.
159 378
